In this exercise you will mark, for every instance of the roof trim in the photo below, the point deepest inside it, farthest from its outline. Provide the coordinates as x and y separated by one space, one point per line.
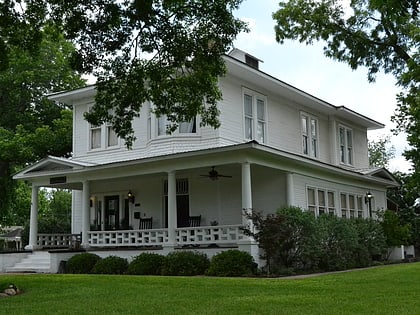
340 111
296 159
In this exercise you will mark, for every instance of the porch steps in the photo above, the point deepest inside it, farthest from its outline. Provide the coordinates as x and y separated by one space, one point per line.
37 262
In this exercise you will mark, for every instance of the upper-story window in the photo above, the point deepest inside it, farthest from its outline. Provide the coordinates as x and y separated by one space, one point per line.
102 137
184 127
255 111
309 129
95 137
345 138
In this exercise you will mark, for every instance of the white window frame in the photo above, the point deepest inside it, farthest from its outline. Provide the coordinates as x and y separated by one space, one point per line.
353 209
324 205
310 135
255 125
184 128
95 137
345 145
104 137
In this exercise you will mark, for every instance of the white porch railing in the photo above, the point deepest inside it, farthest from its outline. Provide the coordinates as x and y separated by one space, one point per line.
128 238
58 240
220 234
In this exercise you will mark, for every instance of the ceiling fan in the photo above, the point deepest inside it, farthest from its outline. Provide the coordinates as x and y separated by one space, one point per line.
213 174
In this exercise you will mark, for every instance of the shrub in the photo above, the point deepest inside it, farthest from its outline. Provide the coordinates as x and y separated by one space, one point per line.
185 264
232 263
111 265
82 263
146 264
339 241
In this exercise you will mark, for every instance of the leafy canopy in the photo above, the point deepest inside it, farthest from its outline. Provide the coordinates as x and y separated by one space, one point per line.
167 52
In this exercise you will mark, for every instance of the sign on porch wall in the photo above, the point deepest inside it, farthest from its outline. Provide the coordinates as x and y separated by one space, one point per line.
58 180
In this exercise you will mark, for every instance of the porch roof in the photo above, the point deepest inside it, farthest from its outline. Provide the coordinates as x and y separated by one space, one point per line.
75 171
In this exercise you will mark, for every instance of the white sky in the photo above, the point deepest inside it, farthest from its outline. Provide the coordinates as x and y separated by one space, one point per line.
306 68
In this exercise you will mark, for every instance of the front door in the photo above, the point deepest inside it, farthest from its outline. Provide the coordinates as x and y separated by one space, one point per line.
182 210
112 212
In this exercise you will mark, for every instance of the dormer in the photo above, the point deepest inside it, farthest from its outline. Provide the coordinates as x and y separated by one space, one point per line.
246 58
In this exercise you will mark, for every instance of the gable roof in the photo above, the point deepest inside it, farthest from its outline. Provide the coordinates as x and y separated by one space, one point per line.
50 167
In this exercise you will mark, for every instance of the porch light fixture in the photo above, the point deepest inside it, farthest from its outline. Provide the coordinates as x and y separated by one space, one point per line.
368 200
130 196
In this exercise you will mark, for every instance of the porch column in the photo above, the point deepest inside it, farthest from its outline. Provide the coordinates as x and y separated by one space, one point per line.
248 244
246 194
85 213
33 223
172 210
290 200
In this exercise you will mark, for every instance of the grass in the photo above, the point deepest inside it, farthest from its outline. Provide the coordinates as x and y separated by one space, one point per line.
382 290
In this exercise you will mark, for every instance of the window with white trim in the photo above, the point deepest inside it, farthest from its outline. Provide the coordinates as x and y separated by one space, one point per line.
345 138
102 137
351 205
309 129
184 127
320 201
255 112
111 135
95 137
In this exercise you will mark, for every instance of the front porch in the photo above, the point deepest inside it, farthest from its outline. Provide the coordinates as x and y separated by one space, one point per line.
223 235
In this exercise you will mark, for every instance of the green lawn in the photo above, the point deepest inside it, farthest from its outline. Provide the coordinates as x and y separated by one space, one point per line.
383 290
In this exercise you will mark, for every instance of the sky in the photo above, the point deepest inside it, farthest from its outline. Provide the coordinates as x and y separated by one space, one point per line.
306 68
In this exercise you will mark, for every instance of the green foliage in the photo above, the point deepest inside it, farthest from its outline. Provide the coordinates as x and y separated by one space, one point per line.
371 242
339 242
380 153
82 263
232 263
185 263
111 265
31 126
294 240
146 264
165 52
396 233
288 237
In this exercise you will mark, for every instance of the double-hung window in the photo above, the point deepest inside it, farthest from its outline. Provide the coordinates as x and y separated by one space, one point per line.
255 112
309 129
320 201
345 137
95 137
351 205
184 127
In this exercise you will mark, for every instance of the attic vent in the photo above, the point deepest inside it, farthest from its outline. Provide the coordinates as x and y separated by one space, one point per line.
251 61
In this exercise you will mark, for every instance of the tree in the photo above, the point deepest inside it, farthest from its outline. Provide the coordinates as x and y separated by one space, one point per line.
167 52
31 126
380 153
378 34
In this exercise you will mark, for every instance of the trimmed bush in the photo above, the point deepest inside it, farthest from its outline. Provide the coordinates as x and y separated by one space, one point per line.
82 263
232 263
111 265
146 264
185 264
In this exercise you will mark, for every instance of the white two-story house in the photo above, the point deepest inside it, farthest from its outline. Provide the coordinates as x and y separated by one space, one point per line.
277 146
